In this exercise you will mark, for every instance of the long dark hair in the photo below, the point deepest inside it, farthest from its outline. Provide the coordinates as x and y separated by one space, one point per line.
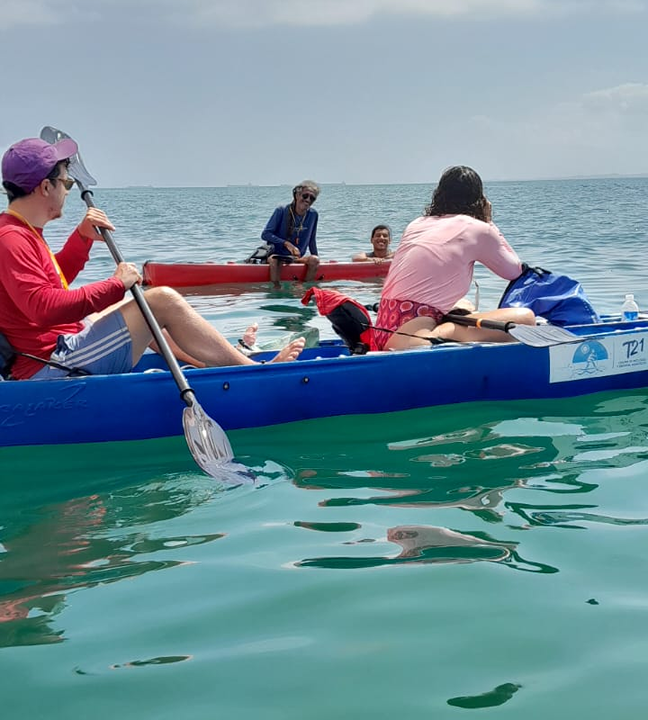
459 192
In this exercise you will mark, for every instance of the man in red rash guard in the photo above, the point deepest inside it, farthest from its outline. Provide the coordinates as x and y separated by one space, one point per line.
40 315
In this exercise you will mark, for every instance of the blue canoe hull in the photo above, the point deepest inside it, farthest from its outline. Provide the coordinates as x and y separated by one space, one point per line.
325 382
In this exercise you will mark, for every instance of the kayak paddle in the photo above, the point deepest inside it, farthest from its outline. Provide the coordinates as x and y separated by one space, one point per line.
533 335
206 439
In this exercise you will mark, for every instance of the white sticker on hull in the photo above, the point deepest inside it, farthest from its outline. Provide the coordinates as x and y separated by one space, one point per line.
599 357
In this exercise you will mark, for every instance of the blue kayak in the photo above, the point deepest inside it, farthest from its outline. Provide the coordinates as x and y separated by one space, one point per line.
326 381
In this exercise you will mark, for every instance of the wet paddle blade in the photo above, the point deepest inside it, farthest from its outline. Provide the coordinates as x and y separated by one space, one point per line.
532 335
211 449
207 441
542 335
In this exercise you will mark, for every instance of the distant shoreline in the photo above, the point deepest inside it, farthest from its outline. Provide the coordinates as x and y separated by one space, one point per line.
250 186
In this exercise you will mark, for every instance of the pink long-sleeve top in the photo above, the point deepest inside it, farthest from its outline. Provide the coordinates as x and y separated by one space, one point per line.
435 259
34 307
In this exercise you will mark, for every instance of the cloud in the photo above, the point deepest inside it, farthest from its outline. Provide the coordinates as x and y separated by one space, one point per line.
17 13
25 12
627 99
263 13
595 133
258 13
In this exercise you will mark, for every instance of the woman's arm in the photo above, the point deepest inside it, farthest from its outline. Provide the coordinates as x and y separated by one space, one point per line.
497 255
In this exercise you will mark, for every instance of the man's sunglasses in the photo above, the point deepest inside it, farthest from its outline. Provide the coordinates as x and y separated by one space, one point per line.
308 196
68 183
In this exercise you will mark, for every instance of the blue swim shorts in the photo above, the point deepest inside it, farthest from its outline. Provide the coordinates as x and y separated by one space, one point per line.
103 347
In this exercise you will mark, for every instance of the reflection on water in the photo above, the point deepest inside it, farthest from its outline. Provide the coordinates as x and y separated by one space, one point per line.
83 543
165 660
574 519
434 545
444 490
492 698
499 464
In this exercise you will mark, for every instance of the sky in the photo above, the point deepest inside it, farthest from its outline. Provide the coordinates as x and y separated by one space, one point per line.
269 92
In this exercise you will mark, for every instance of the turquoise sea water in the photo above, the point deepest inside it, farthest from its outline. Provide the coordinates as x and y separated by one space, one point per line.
483 558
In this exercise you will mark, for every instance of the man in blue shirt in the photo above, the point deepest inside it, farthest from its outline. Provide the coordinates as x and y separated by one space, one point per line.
292 231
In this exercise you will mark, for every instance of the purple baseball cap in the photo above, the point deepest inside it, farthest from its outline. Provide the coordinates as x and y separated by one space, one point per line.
28 162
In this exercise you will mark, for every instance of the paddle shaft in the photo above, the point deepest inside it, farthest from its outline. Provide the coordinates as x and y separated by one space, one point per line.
186 393
464 320
459 319
480 322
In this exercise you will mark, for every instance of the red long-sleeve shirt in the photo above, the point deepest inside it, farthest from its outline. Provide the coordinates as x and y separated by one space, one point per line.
34 307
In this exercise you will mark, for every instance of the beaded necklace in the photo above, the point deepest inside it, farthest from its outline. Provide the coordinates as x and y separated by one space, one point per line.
297 230
23 220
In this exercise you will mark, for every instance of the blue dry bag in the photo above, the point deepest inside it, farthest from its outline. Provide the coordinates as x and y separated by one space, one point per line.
559 299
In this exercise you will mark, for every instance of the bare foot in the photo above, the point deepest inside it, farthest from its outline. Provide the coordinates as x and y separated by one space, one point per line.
291 352
250 335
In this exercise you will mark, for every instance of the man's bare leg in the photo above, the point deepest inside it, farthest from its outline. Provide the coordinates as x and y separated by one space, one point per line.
275 271
191 333
312 261
177 352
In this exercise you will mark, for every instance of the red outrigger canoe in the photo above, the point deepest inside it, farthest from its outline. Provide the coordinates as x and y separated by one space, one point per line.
194 274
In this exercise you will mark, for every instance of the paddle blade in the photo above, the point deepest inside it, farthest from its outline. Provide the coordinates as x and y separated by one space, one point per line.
542 335
206 440
76 168
211 449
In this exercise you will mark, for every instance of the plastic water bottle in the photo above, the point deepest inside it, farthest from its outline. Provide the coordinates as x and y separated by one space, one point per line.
629 309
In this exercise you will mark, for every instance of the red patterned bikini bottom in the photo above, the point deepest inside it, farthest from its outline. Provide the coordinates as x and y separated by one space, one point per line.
393 313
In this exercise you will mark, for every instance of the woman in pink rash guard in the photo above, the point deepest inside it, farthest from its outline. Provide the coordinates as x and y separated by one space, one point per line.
433 268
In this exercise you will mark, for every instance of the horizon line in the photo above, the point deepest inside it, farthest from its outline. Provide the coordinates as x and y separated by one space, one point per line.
342 183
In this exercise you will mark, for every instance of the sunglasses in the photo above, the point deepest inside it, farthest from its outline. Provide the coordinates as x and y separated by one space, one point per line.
308 196
68 183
